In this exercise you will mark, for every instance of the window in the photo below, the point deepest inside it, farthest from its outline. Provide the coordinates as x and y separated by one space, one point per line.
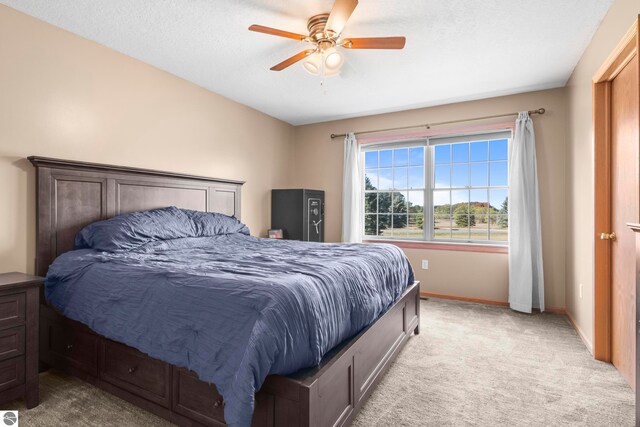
394 192
442 189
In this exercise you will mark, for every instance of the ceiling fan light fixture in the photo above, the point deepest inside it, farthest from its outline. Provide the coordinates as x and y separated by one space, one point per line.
313 64
333 60
326 64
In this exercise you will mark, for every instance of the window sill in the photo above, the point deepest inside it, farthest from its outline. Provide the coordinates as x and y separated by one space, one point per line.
444 246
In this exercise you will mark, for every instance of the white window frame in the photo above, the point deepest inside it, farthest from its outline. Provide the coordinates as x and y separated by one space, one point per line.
421 142
428 215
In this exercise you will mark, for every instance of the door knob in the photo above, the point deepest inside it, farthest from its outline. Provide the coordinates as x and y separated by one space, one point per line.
608 236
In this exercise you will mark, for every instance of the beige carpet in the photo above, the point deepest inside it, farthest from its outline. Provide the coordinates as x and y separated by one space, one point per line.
471 365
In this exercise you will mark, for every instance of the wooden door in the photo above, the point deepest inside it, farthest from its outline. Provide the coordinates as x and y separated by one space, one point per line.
624 209
616 113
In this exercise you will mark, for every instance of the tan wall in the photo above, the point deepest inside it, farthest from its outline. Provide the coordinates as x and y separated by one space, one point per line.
464 274
318 164
63 96
579 175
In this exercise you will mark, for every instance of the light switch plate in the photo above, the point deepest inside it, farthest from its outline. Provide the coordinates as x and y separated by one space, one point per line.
425 264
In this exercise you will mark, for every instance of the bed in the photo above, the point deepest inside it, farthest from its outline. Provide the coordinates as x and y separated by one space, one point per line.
71 195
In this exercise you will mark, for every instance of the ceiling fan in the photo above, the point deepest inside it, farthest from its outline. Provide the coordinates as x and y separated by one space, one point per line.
324 36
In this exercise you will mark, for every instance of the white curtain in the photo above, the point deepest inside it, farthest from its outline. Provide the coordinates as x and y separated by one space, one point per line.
352 192
526 279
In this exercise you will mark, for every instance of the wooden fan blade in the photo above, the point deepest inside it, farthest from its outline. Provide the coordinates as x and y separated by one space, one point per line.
295 58
340 13
276 32
375 43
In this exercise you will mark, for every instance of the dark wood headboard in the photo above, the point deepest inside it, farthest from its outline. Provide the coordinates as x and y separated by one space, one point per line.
72 194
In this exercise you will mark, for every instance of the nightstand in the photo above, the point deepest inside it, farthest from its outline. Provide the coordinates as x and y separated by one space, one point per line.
19 308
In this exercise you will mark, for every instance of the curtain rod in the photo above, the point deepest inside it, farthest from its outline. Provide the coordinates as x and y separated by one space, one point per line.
429 125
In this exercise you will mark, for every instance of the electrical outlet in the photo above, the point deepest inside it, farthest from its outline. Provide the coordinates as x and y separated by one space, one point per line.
425 264
580 288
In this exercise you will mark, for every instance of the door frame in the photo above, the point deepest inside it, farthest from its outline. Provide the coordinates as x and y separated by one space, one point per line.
626 51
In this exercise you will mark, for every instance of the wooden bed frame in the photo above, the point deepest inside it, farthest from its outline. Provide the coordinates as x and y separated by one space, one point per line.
72 194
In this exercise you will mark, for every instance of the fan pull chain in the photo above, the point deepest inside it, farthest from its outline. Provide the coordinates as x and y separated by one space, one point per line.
323 89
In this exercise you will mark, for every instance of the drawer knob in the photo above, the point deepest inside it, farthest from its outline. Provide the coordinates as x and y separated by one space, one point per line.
132 369
218 402
69 346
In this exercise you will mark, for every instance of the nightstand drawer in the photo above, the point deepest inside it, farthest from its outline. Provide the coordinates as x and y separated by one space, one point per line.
11 373
11 342
12 309
19 295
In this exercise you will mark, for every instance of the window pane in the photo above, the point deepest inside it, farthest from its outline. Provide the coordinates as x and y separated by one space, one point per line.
399 202
461 223
384 224
416 177
415 227
498 228
399 224
384 202
459 197
442 227
370 225
416 156
371 202
400 178
385 181
479 174
498 149
371 179
479 229
498 201
479 151
460 175
498 175
441 203
442 176
416 202
371 159
479 202
460 227
481 221
460 209
401 157
442 154
386 157
460 152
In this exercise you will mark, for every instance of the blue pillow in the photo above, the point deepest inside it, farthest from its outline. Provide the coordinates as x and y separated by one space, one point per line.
214 224
132 230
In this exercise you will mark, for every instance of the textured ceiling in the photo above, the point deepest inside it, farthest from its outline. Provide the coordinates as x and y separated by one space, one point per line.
456 50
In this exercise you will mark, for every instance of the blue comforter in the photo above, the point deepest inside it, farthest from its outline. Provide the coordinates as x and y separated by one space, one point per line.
231 307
